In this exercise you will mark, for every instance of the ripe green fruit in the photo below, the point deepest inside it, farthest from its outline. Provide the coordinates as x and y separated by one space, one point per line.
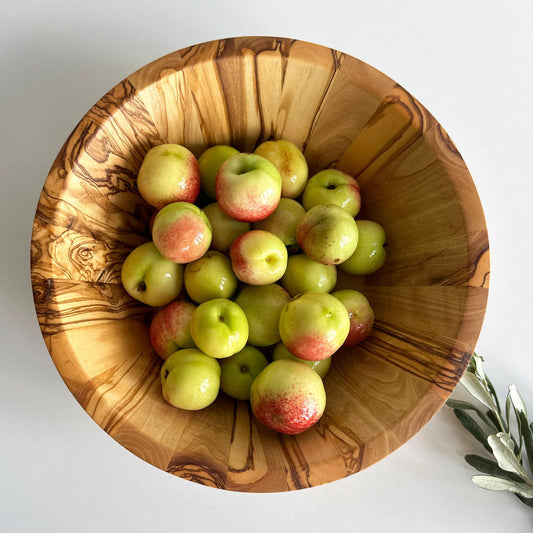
150 278
210 277
190 379
239 372
262 305
370 253
328 234
290 162
303 275
209 163
219 328
331 186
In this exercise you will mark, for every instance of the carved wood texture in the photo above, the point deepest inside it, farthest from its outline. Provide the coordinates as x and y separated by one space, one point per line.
429 298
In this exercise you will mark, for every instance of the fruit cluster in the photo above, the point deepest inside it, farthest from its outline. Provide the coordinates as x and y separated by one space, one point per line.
242 269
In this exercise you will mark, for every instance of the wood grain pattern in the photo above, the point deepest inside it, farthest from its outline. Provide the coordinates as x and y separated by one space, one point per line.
429 298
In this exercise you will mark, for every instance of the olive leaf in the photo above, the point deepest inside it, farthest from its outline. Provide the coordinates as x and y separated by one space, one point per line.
508 472
467 406
487 466
473 427
517 400
503 449
497 483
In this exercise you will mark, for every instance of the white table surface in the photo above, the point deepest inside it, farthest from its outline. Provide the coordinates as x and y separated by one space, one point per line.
469 62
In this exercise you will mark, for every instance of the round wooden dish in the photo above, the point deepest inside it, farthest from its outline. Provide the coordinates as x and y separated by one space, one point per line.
429 298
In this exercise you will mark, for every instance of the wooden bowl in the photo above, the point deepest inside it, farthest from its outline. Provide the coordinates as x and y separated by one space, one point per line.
429 298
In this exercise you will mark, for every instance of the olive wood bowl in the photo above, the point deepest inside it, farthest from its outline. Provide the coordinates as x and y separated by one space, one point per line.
429 298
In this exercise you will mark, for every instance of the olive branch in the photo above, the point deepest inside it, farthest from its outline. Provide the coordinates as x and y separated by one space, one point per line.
508 436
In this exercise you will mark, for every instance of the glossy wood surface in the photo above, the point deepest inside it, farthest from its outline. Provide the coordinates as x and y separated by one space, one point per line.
429 298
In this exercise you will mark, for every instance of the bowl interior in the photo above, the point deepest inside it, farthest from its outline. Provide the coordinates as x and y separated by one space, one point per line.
429 298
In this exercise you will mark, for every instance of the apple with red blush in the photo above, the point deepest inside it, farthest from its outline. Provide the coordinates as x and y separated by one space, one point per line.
360 312
288 397
258 257
170 328
320 367
169 173
314 325
248 187
181 232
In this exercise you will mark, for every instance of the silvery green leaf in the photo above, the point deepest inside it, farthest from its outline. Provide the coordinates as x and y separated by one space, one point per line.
519 412
476 362
517 400
492 391
526 501
496 483
488 466
478 390
503 450
467 406
473 427
527 434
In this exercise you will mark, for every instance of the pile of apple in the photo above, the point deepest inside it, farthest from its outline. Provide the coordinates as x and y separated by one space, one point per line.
241 268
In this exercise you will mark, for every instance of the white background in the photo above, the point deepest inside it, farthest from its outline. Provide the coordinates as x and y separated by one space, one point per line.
469 62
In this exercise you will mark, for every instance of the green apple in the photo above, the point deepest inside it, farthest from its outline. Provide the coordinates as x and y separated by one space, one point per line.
210 277
190 379
169 173
181 232
240 370
248 187
225 229
327 234
320 367
331 186
258 257
219 328
262 305
370 253
288 397
360 312
304 274
290 162
283 221
149 277
210 162
170 328
314 325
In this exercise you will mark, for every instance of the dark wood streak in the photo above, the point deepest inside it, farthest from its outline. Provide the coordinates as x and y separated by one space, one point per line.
249 463
296 466
131 402
197 471
423 356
